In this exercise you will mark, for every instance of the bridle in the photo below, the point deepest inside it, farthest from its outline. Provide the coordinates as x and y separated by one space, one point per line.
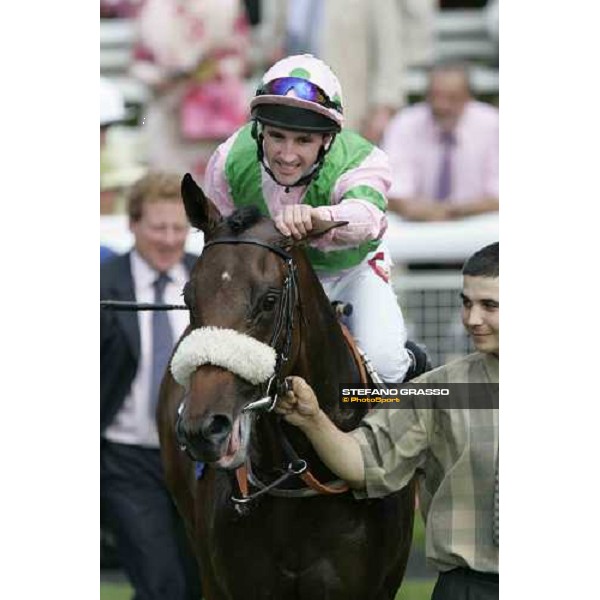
284 324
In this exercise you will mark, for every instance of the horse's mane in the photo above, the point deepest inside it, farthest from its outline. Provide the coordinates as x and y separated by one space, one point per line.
243 218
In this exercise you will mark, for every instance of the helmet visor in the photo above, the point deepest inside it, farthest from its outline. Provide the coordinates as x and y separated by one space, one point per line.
302 88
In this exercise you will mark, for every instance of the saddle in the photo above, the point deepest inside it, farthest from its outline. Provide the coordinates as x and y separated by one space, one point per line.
367 371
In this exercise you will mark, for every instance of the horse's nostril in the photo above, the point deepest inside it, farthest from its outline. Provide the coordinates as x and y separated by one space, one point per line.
216 428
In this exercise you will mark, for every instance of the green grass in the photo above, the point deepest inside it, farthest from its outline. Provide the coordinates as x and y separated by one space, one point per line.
416 589
412 589
418 540
115 591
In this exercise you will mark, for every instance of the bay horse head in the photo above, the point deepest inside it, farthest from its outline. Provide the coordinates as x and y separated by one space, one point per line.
243 337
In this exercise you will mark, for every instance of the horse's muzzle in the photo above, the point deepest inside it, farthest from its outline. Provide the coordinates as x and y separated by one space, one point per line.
204 441
215 439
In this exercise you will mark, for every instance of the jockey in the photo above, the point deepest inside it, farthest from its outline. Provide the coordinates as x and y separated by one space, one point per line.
295 162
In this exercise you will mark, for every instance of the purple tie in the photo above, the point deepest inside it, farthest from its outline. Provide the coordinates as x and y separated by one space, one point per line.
444 186
162 340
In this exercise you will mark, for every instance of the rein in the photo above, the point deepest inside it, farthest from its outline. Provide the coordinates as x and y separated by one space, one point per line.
131 306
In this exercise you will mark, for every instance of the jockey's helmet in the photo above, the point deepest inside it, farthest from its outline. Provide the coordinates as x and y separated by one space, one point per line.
300 93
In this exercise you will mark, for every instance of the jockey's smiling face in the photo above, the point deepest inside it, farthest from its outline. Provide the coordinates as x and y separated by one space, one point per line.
290 154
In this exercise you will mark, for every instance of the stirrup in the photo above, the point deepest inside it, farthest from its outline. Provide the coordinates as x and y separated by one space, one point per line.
342 309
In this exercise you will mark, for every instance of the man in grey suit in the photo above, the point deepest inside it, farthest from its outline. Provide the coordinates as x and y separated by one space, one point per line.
134 350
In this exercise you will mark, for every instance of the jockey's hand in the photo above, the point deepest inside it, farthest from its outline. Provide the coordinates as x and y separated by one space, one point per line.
299 406
296 220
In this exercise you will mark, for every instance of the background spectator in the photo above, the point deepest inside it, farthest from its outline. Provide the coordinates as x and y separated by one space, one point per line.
191 55
444 152
368 44
134 349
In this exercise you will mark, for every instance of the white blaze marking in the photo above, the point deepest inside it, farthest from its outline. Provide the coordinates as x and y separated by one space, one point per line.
225 276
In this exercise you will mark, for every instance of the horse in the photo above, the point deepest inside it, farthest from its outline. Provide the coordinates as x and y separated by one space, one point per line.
256 291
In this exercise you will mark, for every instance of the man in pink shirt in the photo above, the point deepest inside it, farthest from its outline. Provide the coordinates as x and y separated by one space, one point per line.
444 152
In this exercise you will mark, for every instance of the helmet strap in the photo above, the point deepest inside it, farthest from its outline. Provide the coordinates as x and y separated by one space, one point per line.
305 179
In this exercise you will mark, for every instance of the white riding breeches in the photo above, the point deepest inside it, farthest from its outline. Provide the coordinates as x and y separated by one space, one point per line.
376 321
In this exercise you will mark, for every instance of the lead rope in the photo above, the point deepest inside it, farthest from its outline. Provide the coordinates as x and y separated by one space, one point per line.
336 487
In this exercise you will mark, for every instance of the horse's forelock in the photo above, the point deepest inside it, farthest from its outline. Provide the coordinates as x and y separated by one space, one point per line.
243 219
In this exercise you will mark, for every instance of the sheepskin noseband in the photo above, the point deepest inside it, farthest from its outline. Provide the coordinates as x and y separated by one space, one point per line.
239 353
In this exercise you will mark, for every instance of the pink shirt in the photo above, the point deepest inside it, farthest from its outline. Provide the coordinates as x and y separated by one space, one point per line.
365 220
412 142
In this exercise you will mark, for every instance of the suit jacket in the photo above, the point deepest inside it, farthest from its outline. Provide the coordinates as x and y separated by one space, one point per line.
119 336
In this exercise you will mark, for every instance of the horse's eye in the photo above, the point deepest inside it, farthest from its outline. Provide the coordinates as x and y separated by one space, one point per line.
269 302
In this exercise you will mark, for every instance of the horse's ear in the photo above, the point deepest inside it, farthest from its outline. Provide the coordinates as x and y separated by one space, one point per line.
200 211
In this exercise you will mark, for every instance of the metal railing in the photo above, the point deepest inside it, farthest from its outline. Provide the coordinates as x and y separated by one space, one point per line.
430 300
431 306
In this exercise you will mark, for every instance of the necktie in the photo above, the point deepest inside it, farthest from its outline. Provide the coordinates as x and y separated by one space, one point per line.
162 340
444 186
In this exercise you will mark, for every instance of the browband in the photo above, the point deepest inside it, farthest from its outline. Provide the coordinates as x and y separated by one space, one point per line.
254 242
